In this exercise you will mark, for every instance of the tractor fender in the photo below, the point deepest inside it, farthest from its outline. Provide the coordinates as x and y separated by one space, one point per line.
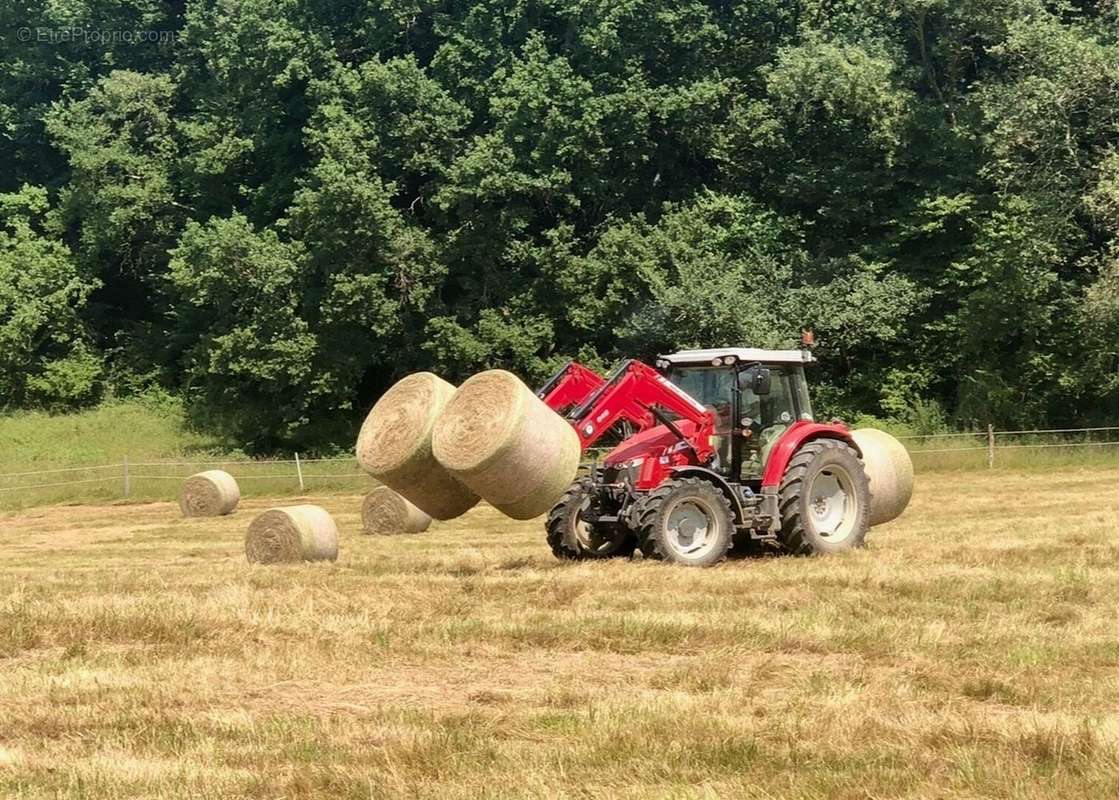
798 434
714 477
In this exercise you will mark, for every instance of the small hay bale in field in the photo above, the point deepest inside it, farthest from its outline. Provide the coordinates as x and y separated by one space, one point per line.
213 493
292 533
501 440
890 470
394 446
385 512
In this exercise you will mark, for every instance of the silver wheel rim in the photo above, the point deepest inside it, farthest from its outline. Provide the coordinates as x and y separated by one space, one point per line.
833 505
692 528
580 528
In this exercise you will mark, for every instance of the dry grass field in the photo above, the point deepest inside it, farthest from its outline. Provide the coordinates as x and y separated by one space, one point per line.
970 651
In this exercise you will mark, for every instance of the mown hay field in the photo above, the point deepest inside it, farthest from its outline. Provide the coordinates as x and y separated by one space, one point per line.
970 651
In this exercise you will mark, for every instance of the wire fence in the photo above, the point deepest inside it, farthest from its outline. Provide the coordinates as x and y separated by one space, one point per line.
155 479
1014 449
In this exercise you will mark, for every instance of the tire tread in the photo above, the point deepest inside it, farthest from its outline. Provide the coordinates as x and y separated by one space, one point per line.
648 512
793 534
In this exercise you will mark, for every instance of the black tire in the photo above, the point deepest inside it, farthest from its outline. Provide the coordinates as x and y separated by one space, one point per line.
660 532
571 543
640 518
832 521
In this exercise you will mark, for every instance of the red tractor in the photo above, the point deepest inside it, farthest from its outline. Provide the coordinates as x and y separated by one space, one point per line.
725 451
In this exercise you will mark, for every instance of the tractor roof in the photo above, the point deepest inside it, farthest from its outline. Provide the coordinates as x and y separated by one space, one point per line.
697 357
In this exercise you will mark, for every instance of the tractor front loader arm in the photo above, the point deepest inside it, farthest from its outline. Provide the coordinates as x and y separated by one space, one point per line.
635 388
570 385
574 383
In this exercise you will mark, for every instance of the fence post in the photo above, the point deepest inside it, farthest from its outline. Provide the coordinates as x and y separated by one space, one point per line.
299 472
127 480
990 446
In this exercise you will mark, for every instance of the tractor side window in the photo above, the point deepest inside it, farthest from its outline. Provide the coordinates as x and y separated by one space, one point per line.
779 410
774 413
800 385
779 406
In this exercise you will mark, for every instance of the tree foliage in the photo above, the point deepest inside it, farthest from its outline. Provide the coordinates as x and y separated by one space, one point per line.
285 206
45 354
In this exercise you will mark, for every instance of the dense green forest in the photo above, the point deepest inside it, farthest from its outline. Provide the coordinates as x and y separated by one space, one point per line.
274 208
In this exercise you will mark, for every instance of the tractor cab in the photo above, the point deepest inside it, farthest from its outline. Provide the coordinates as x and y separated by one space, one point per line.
755 394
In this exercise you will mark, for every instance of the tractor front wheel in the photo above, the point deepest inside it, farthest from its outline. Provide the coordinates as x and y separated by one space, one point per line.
573 538
824 499
686 521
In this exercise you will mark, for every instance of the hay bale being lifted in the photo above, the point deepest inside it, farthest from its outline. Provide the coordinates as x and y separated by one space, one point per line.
501 440
213 493
384 512
394 446
890 470
292 533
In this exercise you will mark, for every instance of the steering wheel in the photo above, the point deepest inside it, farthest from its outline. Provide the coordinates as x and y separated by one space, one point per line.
753 425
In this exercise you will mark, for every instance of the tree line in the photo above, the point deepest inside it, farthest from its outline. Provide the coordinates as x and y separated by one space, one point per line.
275 208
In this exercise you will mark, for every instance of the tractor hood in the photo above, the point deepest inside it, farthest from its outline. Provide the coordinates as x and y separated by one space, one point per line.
651 443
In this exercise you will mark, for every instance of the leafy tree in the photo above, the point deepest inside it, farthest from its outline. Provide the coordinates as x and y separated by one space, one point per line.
248 355
50 51
46 360
246 68
372 275
827 130
121 207
929 184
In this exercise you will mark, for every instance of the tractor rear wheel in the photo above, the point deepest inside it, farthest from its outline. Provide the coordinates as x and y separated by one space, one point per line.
686 521
824 499
573 539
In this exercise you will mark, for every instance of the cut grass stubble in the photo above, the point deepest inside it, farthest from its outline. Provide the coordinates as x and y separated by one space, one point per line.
969 651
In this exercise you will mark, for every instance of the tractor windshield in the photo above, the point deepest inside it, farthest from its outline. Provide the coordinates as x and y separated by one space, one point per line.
711 387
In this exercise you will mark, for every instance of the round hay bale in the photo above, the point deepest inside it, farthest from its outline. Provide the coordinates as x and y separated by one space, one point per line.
292 533
890 470
384 512
501 440
394 446
213 493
